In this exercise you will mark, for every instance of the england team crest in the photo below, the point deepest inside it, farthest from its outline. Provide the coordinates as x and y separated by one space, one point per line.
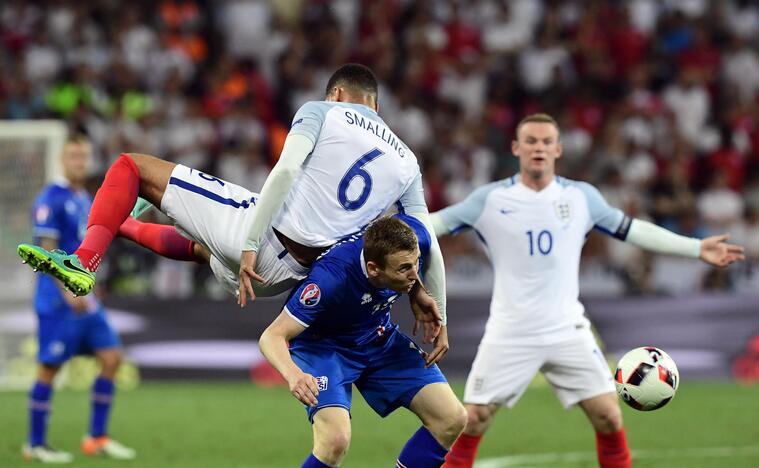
311 295
563 211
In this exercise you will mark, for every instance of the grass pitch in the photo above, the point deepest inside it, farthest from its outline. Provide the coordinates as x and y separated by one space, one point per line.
239 425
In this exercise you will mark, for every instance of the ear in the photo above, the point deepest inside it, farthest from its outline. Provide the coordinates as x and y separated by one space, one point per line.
372 269
333 95
559 148
514 148
339 94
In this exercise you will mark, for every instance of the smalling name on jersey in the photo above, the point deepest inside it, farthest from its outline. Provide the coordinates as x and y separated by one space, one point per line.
380 131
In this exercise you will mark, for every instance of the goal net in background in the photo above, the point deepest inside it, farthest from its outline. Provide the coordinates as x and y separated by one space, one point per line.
29 158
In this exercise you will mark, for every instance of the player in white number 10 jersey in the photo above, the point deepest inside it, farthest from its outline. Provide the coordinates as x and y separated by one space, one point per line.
534 226
341 167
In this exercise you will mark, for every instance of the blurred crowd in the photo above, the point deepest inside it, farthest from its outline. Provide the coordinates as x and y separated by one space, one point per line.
658 100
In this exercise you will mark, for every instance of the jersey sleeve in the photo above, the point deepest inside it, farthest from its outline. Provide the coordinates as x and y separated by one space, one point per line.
45 216
309 119
320 288
412 200
464 214
605 217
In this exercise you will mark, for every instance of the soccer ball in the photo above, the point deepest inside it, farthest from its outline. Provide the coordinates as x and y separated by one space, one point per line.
646 378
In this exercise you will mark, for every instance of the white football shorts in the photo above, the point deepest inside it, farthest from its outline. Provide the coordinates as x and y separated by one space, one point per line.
502 371
217 214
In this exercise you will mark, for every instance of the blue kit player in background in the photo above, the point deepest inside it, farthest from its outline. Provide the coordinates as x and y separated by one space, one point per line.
70 325
338 326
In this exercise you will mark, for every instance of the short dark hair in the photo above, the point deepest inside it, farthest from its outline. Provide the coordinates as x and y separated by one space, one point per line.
386 236
77 139
536 118
356 77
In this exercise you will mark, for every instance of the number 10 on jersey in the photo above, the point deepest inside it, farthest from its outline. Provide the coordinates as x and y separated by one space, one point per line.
542 242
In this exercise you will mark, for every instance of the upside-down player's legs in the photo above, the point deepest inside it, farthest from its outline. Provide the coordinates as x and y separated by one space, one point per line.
130 175
217 214
163 240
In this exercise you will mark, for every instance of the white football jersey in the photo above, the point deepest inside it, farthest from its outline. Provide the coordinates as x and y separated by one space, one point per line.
534 240
357 170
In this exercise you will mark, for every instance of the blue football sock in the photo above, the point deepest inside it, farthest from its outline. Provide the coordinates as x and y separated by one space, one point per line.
313 462
421 451
102 394
39 409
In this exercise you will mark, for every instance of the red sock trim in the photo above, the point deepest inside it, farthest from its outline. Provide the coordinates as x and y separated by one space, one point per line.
612 450
463 452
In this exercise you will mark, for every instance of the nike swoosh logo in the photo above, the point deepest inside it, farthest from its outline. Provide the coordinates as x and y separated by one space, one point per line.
67 263
505 211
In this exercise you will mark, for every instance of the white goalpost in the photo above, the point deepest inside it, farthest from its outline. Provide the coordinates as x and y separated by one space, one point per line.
29 159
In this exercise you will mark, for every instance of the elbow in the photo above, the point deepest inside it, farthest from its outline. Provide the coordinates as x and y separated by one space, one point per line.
285 173
264 341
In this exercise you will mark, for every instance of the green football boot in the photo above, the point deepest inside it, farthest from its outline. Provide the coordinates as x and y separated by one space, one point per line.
67 268
140 207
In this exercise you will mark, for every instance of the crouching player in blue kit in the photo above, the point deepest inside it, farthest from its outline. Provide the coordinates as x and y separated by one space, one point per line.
338 326
69 325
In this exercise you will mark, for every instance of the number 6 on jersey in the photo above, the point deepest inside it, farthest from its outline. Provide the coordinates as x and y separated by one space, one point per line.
357 170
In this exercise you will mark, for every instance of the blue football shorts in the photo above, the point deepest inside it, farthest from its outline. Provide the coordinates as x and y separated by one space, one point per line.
388 372
65 335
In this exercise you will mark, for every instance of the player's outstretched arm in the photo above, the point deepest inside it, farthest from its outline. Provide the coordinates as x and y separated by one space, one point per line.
273 345
272 197
716 251
441 229
712 250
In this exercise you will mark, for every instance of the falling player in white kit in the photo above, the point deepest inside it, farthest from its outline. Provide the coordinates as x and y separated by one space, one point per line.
534 226
341 166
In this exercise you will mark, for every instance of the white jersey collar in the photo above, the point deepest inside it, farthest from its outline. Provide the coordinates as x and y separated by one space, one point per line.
363 264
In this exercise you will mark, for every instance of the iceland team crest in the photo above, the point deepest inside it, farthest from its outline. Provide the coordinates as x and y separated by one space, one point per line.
322 383
563 210
311 295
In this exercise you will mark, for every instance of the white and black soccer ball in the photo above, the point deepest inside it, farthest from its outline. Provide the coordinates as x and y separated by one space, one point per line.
646 378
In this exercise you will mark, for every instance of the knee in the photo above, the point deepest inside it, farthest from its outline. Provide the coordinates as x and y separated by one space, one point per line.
332 448
110 364
608 420
459 422
478 419
450 425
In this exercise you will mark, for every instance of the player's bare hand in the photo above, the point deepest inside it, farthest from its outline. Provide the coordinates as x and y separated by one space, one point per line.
247 276
440 349
426 313
304 387
716 251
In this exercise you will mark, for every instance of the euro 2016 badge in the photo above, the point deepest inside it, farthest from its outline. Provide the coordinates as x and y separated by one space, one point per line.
563 210
311 295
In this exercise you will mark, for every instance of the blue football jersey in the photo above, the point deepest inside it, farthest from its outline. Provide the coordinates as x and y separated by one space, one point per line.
59 213
336 301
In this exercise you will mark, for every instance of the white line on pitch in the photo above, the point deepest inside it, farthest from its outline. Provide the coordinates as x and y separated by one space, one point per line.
536 459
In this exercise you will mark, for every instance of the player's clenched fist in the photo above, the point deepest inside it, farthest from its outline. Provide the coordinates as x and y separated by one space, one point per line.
304 387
